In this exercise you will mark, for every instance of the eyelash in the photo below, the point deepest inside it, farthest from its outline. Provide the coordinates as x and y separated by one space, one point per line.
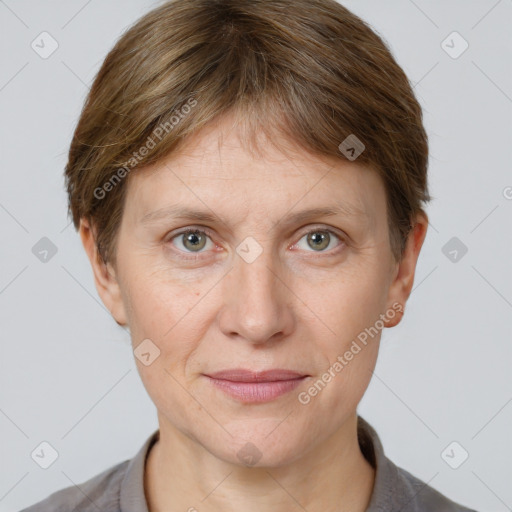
207 232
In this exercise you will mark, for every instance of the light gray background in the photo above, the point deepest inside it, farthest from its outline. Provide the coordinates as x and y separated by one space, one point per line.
67 372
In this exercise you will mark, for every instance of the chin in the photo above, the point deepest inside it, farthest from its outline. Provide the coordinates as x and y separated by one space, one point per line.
259 448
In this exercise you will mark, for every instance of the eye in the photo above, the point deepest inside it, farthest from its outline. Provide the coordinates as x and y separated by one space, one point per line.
319 240
197 241
194 240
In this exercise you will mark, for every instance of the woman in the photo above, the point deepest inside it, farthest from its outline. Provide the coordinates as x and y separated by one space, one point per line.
248 181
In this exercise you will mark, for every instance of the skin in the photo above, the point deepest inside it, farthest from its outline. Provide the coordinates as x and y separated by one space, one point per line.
295 306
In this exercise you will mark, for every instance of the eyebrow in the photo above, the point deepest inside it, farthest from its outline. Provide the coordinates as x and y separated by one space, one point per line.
185 213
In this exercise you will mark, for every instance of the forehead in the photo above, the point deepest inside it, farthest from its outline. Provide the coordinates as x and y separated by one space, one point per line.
215 170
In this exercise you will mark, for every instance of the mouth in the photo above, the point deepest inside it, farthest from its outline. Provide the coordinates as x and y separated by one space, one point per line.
256 387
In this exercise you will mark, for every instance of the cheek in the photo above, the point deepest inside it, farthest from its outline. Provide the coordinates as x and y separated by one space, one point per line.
171 315
159 304
176 317
346 302
349 306
341 385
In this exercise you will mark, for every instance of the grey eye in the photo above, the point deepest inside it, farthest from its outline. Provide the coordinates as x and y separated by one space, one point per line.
318 240
193 240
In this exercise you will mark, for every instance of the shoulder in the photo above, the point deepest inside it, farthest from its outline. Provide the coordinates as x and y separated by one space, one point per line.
396 488
422 497
100 492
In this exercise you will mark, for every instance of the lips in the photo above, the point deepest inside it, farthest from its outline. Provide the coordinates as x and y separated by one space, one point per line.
243 375
252 387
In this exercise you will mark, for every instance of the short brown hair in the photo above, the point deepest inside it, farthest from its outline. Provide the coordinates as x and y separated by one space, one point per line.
309 68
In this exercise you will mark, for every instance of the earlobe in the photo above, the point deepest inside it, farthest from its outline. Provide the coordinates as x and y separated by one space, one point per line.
394 315
105 279
401 286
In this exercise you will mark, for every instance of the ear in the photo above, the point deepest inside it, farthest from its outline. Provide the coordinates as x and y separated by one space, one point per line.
104 275
401 285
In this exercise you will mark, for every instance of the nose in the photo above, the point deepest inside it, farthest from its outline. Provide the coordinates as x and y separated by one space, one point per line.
256 301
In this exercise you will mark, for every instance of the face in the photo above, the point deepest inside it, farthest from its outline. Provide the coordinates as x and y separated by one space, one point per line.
257 284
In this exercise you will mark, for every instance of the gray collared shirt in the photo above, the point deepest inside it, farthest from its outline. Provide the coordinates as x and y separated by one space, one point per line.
121 487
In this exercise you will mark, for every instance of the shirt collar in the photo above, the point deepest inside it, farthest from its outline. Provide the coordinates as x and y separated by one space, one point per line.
132 497
386 489
388 492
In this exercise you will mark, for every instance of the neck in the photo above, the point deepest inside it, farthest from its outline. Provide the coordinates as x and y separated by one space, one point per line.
181 475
